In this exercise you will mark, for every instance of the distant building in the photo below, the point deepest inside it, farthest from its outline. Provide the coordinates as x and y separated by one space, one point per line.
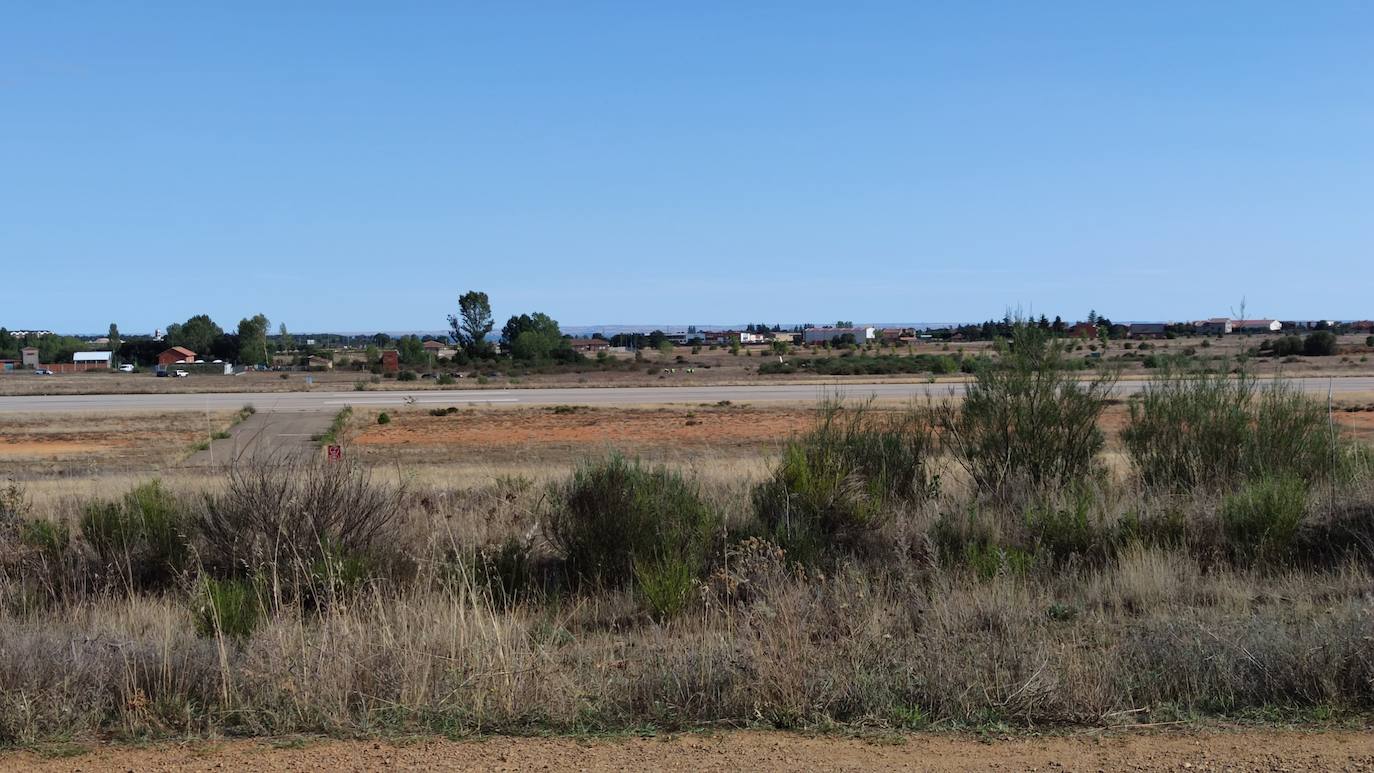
175 355
29 356
1215 326
391 361
1256 326
589 344
93 358
439 349
822 335
1083 330
1147 330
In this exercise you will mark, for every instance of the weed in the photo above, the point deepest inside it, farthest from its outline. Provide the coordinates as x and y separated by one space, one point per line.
615 513
1261 520
229 608
844 477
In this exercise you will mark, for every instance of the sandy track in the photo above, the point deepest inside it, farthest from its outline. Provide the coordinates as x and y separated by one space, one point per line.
1251 749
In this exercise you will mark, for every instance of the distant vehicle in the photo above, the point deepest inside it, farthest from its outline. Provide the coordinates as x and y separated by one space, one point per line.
219 361
42 372
126 368
181 373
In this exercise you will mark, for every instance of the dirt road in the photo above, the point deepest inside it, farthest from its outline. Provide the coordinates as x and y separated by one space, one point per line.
1252 749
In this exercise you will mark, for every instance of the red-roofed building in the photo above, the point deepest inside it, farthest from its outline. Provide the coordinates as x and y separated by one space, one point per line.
175 355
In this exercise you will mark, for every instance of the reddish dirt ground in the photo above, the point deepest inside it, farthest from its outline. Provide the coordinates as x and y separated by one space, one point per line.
545 430
1254 749
64 445
523 428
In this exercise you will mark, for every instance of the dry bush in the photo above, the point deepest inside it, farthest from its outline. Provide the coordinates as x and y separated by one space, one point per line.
847 476
287 518
1027 420
1191 430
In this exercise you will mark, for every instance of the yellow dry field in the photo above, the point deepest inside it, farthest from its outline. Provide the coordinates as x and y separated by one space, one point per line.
67 455
75 444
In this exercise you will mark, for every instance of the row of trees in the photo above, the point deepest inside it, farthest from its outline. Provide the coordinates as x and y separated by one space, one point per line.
530 337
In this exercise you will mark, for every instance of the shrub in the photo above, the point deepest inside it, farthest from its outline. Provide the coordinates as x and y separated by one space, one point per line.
614 516
1261 520
666 583
296 520
1029 419
1322 343
1190 429
843 477
383 418
1068 529
406 375
1369 341
505 570
1286 346
228 608
142 537
445 379
14 508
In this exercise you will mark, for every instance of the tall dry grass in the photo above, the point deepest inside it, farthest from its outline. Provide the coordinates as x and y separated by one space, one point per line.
325 601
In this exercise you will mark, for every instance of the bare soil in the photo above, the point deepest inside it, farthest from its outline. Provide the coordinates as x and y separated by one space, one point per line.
74 442
1206 750
522 428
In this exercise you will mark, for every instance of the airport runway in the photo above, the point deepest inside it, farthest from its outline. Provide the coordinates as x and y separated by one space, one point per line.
285 402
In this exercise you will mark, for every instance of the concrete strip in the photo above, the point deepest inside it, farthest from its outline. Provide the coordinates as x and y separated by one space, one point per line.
266 436
314 402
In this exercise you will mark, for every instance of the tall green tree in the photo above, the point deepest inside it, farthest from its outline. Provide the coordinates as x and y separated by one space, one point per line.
284 340
253 340
411 349
473 322
197 334
115 341
532 336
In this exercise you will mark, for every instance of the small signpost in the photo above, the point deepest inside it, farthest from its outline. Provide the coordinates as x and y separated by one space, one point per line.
335 453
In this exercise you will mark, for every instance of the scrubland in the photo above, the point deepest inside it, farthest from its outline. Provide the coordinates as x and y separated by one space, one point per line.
972 563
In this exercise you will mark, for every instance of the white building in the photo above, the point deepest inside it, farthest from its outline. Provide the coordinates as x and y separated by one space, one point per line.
93 358
822 335
1256 326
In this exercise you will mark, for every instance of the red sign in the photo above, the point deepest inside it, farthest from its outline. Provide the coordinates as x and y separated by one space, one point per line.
335 453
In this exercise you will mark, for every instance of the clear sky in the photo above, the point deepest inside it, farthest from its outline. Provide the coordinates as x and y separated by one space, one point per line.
355 166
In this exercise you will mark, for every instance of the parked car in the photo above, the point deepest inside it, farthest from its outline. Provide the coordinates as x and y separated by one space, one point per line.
42 372
126 368
179 373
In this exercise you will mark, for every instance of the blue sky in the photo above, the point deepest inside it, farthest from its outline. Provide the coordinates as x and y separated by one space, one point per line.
355 166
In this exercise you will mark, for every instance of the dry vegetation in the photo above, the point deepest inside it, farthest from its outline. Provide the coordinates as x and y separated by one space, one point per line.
878 572
33 445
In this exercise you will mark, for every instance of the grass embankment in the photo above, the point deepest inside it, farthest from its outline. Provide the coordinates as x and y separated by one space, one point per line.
1226 575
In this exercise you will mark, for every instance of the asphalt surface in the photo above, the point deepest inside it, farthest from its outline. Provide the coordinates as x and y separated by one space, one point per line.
288 402
266 437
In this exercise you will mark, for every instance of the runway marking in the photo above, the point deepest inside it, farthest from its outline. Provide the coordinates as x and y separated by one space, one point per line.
416 401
